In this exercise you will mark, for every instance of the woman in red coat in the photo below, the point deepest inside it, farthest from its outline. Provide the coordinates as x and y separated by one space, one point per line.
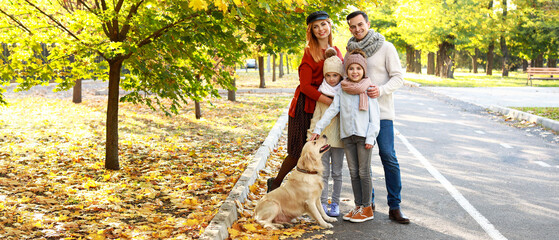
319 38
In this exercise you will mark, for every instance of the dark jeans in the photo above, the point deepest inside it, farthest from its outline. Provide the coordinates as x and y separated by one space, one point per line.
359 164
385 141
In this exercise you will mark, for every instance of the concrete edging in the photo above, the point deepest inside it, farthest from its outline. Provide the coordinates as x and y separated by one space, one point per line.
546 122
227 213
516 114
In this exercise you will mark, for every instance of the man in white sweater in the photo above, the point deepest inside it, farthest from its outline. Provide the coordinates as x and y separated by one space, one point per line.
385 71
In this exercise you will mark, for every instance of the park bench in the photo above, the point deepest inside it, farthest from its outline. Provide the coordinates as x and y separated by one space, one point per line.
553 74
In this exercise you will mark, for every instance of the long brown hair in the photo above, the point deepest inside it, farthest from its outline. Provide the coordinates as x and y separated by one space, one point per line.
312 42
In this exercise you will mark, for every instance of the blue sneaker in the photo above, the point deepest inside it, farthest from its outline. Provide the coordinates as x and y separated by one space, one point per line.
325 207
334 210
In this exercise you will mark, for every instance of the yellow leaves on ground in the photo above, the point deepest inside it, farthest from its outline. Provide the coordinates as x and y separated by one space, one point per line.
175 171
247 228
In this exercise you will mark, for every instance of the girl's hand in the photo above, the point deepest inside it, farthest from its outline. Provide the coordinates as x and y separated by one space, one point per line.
314 136
367 146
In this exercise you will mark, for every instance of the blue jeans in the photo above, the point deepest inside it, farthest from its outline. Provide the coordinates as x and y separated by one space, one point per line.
385 140
359 164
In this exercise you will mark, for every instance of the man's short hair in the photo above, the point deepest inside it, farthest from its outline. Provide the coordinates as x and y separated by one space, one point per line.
354 14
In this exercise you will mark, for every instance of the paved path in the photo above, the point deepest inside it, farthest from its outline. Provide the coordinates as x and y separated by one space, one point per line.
503 96
465 174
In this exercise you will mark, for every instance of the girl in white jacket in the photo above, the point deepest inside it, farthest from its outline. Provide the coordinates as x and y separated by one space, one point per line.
359 127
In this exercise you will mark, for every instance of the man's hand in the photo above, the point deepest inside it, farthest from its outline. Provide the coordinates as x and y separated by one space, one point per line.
373 91
368 146
314 136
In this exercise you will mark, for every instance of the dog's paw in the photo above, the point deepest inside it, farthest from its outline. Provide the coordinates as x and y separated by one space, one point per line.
327 225
331 219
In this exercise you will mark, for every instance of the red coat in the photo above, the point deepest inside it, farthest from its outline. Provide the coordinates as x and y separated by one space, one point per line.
310 78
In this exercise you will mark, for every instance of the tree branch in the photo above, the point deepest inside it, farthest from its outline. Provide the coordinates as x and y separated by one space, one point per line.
54 20
20 24
161 31
126 26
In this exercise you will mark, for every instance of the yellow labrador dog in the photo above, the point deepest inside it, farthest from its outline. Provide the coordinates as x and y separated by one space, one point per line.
300 194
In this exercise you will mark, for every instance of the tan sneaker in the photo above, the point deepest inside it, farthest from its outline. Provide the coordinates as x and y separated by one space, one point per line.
348 216
364 214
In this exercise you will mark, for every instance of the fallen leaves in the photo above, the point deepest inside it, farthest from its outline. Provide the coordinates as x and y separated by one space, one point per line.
176 171
246 226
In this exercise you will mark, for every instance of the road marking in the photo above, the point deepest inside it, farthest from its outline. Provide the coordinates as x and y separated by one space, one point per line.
506 145
480 132
480 219
543 164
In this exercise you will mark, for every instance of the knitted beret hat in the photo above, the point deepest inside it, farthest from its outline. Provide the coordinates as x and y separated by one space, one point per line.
319 15
356 56
332 63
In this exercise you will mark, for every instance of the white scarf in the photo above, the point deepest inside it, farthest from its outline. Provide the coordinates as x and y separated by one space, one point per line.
328 90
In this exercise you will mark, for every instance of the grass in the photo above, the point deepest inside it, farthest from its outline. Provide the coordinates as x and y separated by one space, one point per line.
548 112
251 79
466 79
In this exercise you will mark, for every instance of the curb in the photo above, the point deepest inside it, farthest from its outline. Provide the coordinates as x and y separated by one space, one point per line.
227 213
546 122
516 114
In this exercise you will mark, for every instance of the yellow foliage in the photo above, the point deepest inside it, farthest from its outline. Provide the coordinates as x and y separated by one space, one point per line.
221 5
198 5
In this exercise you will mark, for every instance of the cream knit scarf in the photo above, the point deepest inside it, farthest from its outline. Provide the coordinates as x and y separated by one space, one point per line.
360 88
327 89
370 44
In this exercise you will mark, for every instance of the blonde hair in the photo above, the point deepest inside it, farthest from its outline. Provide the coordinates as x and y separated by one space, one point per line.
312 42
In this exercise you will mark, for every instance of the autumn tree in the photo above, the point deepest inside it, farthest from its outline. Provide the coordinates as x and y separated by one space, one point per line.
174 50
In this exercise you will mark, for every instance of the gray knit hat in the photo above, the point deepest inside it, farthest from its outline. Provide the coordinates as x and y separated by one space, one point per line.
356 56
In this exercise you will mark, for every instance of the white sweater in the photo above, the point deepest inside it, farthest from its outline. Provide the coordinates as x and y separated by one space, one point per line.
385 71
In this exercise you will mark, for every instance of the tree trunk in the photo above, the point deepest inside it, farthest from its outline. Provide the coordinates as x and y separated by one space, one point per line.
474 60
274 68
446 63
439 62
552 62
261 72
506 57
231 94
287 62
524 65
281 65
539 61
77 95
431 63
268 60
197 110
489 66
111 151
417 62
504 49
409 58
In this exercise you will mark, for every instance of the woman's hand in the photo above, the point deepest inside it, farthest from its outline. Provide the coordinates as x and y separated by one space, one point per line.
314 136
367 146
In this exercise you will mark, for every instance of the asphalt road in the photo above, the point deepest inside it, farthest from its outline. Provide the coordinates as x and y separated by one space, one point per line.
465 175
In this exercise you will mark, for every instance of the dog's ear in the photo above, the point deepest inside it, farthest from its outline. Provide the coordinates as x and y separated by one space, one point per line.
305 161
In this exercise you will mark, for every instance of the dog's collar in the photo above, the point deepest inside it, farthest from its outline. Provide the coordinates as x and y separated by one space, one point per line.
306 171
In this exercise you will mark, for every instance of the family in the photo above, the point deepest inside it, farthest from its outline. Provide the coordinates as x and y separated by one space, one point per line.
349 100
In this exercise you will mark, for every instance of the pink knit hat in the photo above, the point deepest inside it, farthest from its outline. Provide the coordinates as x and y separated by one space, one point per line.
356 56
